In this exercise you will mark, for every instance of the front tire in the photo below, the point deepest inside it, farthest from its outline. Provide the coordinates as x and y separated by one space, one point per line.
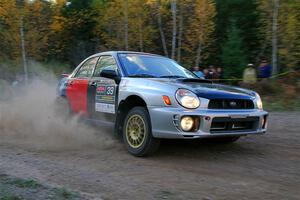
137 133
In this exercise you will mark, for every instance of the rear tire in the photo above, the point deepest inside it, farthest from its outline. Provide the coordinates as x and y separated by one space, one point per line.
137 133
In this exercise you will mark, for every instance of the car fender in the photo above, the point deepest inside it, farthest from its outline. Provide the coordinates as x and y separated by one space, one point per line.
150 91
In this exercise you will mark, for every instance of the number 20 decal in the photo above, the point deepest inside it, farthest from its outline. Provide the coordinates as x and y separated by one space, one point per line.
110 90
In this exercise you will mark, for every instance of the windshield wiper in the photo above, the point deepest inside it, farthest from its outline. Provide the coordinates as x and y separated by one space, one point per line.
142 76
172 76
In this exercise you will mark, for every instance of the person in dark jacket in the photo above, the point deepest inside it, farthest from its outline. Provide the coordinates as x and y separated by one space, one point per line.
264 70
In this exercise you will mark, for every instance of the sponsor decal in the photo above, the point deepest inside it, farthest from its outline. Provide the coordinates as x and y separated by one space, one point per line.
105 99
101 89
104 107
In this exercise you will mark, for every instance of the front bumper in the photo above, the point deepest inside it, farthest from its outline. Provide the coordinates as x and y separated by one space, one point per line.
164 122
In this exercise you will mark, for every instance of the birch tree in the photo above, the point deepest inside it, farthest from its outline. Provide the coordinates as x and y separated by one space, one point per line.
157 9
274 37
125 10
174 25
200 29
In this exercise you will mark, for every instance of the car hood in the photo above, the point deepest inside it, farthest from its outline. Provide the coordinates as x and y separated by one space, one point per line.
210 90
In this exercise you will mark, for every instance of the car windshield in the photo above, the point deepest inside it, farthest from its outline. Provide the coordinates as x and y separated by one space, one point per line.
150 66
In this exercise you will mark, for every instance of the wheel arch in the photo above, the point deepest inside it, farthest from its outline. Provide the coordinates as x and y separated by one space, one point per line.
124 107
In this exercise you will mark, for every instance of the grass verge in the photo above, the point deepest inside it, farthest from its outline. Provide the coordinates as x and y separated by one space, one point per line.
13 188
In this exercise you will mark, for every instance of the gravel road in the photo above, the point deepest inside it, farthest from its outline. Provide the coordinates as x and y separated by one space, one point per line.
256 167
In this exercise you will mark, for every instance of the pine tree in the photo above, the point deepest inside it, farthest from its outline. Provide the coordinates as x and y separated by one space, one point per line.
245 15
233 56
79 30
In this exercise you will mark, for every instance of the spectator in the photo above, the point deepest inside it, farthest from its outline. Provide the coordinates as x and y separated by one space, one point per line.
212 72
206 73
220 73
197 70
264 70
249 75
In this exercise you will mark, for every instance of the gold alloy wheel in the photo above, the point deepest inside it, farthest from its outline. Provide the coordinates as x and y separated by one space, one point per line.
135 131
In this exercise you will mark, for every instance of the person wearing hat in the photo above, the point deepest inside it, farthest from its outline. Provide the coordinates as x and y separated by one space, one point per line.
249 76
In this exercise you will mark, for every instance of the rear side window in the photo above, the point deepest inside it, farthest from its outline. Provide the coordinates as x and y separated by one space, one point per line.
105 63
86 69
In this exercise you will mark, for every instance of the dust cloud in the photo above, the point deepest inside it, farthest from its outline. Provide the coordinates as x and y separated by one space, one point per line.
28 119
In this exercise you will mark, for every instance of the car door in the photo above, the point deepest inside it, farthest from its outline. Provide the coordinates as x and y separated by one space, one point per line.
77 88
103 92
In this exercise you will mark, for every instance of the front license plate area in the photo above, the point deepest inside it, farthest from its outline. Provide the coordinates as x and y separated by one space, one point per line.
229 124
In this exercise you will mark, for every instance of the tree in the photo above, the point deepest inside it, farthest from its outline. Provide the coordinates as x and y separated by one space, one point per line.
284 36
58 37
174 25
125 13
132 19
158 11
200 29
233 56
289 34
142 32
246 17
9 30
184 7
274 36
79 29
37 22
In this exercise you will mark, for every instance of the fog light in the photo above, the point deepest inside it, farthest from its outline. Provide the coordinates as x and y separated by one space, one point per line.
186 123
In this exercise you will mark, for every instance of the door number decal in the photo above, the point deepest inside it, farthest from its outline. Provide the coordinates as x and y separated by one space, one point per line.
105 99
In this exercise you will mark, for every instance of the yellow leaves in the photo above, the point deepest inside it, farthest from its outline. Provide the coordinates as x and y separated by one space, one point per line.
202 24
288 29
57 24
9 34
111 24
58 21
289 33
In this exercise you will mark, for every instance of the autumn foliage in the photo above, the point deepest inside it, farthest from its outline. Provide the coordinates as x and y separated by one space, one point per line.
227 33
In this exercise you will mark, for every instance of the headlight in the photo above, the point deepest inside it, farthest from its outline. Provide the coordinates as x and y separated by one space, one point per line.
187 99
259 103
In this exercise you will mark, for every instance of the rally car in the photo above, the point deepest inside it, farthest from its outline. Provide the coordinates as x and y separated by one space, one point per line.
148 97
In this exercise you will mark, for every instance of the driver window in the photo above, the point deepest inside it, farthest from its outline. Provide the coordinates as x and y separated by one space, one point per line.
86 69
105 63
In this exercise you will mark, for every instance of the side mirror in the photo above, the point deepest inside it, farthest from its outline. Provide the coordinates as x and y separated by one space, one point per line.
111 74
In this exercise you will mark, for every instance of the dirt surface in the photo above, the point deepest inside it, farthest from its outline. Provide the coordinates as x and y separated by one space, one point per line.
256 167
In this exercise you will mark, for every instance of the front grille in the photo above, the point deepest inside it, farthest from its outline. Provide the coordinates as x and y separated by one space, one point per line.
230 104
227 124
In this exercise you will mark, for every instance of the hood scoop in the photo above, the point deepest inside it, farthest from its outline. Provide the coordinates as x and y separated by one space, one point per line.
193 80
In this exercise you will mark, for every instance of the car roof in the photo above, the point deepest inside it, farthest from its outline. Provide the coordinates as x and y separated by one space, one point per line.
124 52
